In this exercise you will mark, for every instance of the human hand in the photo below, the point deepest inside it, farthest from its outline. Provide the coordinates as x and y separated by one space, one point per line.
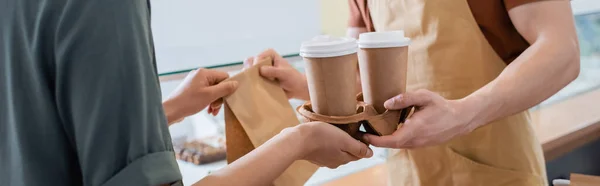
201 88
326 145
291 81
436 120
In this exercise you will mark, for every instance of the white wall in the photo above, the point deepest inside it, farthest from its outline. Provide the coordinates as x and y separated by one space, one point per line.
334 17
200 33
585 6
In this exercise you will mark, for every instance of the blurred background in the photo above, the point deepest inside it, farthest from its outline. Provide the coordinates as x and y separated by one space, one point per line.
219 35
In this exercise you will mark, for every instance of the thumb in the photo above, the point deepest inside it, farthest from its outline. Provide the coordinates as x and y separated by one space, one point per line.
359 149
221 90
272 54
405 100
271 72
398 139
388 141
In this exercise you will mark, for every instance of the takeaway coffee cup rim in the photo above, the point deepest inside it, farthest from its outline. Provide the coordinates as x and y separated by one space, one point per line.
328 46
386 39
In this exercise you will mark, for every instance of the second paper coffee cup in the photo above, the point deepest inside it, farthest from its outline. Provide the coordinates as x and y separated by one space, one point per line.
383 66
331 72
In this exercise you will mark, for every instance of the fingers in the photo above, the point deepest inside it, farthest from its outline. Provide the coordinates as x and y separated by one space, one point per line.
215 107
221 90
358 149
336 160
388 141
278 60
417 98
214 111
272 73
217 103
217 111
343 158
213 77
398 139
280 68
272 54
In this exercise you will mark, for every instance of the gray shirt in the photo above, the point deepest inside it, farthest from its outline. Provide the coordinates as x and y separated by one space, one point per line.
80 101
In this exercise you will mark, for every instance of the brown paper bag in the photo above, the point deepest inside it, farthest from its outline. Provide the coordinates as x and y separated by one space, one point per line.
257 111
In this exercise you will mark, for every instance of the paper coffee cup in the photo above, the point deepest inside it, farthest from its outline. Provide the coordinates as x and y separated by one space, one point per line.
383 66
331 73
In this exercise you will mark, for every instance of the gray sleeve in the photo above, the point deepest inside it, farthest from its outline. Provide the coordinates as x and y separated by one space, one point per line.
108 94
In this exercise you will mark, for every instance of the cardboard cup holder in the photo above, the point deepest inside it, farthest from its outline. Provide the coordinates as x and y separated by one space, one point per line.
366 115
331 71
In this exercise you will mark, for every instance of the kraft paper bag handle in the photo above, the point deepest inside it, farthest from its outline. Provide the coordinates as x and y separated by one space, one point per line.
254 113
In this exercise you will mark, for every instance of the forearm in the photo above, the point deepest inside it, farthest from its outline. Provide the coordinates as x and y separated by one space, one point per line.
356 23
172 111
542 70
261 166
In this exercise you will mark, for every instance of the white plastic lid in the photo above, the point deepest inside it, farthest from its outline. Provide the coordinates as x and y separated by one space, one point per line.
383 39
561 182
328 46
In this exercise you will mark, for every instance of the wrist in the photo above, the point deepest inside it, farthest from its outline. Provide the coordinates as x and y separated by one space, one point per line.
303 94
297 141
475 108
173 111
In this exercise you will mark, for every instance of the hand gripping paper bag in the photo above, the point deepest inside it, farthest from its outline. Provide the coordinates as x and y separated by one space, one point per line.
254 113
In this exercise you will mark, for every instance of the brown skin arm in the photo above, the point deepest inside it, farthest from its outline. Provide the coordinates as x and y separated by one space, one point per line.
317 142
548 65
278 153
320 143
200 89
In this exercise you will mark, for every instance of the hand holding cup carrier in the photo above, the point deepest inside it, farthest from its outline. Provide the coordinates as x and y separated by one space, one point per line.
331 66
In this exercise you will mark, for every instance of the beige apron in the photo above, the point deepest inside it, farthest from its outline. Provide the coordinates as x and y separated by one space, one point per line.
449 55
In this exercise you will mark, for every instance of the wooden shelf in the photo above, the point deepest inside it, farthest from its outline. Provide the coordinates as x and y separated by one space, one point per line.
569 124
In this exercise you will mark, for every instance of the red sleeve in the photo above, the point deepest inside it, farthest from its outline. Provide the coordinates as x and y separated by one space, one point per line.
510 4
